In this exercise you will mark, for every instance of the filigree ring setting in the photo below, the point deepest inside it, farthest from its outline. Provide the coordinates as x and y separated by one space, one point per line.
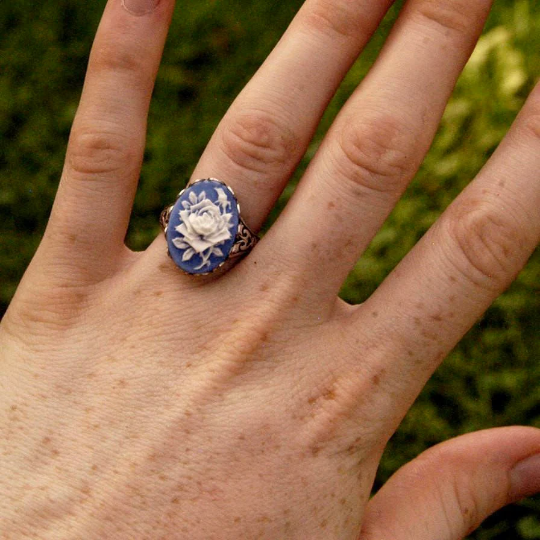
204 228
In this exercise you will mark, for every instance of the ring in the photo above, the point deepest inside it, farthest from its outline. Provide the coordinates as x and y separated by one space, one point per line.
204 228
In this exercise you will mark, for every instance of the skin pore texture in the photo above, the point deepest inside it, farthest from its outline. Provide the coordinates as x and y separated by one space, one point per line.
140 402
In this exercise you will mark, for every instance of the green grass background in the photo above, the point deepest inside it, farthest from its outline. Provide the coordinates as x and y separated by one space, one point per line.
491 379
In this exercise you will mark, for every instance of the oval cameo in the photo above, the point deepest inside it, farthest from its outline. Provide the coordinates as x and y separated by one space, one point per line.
202 226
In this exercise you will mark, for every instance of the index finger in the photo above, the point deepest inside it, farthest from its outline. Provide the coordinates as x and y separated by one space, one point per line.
470 256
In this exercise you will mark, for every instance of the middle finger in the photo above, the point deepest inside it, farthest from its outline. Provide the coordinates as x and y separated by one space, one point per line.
376 144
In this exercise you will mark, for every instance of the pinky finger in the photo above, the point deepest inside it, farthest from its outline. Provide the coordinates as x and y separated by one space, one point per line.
447 491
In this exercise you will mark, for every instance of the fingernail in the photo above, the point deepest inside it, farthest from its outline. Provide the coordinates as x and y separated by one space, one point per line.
140 7
525 478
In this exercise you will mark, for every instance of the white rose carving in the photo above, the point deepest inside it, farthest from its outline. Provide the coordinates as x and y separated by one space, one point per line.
205 225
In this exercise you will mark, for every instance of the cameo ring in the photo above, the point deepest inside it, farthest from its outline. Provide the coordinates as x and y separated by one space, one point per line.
204 228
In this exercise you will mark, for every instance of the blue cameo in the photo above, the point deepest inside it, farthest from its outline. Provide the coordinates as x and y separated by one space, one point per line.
202 226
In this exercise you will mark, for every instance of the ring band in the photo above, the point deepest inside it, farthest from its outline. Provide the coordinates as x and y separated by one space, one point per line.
204 228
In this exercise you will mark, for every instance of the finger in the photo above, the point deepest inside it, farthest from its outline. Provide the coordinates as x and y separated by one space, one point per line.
92 208
377 142
447 491
471 254
263 136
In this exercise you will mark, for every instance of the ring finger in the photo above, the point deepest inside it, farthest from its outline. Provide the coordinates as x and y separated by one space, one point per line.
265 133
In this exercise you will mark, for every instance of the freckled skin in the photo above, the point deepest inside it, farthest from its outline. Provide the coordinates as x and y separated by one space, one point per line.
141 403
169 447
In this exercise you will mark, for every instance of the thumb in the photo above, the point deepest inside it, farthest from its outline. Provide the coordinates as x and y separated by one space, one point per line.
446 492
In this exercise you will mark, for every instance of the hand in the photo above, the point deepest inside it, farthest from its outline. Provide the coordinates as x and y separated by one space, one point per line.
141 403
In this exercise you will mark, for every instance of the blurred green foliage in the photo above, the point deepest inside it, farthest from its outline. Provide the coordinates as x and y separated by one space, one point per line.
491 379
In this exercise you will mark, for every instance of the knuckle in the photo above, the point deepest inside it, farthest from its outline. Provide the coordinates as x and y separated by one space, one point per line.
454 16
332 413
334 19
99 153
376 154
111 57
467 504
57 309
531 124
256 141
487 242
462 505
